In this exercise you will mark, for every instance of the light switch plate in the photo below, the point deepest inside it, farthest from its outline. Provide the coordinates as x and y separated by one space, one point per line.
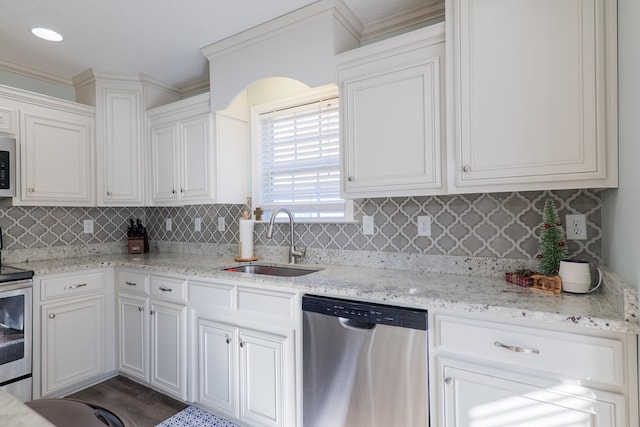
367 225
221 224
197 224
88 226
168 224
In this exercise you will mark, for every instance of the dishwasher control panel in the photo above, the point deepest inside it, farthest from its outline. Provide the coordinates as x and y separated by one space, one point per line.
366 312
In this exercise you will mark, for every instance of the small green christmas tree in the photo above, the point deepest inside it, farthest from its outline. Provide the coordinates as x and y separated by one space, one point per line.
552 248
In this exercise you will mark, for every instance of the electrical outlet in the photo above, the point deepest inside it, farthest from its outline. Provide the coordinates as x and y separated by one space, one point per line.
197 224
367 225
168 224
576 227
221 225
88 226
424 225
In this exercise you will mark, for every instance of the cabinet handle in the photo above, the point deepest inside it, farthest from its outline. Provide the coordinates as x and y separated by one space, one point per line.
165 289
131 283
140 309
466 169
448 380
52 316
31 190
80 285
517 349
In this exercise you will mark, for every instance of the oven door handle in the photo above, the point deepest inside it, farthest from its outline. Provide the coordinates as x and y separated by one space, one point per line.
80 285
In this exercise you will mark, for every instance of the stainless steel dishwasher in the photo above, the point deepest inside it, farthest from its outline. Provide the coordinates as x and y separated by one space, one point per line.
364 365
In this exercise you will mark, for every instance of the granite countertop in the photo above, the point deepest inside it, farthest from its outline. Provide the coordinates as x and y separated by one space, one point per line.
491 295
16 414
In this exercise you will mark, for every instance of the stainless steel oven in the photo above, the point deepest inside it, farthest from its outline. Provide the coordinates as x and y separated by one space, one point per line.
16 331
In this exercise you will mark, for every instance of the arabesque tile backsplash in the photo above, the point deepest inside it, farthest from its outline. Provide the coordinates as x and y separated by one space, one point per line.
496 225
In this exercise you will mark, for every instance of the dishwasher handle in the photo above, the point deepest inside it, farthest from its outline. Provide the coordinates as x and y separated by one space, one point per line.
356 325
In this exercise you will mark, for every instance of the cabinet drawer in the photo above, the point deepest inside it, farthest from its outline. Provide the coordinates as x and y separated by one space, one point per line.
76 284
131 282
169 289
206 296
276 304
568 355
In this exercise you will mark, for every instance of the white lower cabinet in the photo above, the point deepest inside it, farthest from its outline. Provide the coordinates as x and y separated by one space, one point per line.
475 395
246 362
153 331
169 348
72 340
72 337
487 373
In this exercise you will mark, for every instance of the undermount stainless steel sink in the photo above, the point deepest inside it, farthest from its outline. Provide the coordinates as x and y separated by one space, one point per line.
271 270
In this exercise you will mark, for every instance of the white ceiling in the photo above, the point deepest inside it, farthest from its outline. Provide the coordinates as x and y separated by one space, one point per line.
159 38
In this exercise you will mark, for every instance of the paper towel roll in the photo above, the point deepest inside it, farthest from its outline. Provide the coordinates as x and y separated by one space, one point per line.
246 238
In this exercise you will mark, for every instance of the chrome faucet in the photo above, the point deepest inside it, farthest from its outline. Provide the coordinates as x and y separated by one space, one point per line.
293 251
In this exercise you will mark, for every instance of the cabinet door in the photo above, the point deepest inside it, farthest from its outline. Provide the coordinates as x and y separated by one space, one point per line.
474 395
165 153
134 336
533 94
120 133
57 160
72 342
168 348
217 366
266 363
392 114
197 159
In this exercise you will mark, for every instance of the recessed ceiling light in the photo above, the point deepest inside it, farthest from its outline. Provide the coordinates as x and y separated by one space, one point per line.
46 34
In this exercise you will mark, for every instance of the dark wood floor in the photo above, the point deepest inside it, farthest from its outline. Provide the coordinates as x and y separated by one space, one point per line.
144 406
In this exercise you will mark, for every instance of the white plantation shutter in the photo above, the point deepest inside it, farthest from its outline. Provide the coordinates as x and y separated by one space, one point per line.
300 160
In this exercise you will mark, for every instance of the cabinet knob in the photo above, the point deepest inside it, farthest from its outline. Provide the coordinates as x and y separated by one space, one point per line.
350 179
448 380
109 193
241 344
31 190
52 316
140 309
228 340
466 169
151 312
173 191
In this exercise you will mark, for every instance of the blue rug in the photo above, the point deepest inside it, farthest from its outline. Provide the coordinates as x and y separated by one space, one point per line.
195 417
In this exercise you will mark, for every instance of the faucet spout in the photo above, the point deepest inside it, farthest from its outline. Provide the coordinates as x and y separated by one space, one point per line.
293 251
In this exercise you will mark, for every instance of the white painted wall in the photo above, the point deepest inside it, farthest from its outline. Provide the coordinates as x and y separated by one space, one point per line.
621 207
19 81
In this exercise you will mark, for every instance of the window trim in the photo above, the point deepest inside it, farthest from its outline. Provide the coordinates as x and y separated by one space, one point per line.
311 96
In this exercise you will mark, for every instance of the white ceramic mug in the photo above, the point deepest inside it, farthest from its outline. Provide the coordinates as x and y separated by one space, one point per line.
576 276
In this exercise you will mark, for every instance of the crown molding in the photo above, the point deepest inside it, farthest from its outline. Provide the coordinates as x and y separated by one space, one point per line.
35 73
403 20
283 24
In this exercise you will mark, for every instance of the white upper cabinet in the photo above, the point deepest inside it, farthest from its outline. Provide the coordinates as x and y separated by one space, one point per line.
182 152
56 151
392 116
531 94
196 156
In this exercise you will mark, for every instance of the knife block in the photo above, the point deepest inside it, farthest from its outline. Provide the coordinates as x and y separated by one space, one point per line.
136 246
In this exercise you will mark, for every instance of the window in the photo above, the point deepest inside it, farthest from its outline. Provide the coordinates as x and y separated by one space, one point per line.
298 158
